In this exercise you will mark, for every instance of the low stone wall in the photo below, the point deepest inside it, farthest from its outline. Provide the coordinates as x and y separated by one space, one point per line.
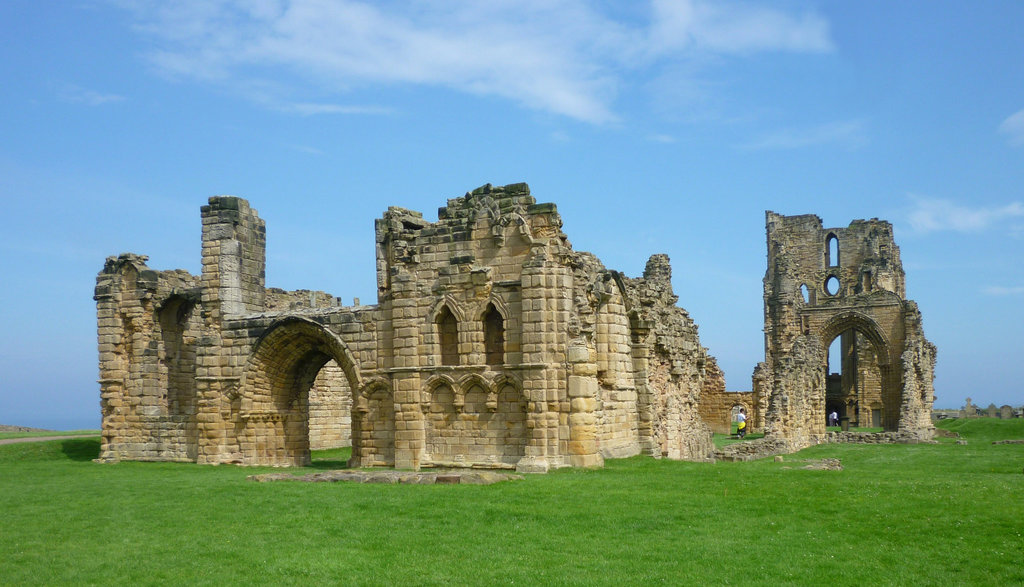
460 477
764 447
753 450
877 438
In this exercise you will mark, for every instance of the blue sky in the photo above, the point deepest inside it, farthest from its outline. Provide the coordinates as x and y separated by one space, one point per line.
657 127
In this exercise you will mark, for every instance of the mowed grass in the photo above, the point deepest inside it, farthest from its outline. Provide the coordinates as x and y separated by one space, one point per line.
897 514
40 433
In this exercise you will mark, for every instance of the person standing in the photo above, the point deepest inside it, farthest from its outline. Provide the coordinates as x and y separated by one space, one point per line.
741 423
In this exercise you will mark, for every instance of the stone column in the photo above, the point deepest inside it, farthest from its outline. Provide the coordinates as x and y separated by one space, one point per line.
582 392
408 358
546 291
644 397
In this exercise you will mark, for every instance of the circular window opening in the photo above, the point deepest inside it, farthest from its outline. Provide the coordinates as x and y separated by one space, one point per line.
832 285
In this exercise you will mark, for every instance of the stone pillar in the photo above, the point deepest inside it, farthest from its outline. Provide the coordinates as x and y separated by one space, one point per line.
408 358
234 258
546 291
409 429
232 284
644 394
112 373
582 392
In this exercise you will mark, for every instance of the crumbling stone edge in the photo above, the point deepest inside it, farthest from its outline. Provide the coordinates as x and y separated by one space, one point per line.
394 477
763 447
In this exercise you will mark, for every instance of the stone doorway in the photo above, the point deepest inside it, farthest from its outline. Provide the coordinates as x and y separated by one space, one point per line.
856 386
297 395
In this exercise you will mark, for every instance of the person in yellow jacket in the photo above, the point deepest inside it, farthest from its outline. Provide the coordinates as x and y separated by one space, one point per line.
741 424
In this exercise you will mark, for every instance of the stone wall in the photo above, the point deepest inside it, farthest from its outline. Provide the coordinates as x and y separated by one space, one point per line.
493 344
148 326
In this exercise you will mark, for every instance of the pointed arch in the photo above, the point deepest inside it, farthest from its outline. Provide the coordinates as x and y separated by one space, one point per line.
466 382
433 383
438 379
494 336
276 381
453 306
373 425
498 303
443 327
506 379
863 324
867 373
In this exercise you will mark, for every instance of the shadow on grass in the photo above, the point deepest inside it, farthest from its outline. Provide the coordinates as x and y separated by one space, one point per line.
81 449
329 464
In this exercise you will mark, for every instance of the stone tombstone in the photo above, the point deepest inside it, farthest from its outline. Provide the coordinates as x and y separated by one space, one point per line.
992 411
1006 412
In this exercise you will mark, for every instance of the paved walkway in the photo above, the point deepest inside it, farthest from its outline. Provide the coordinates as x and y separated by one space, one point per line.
41 438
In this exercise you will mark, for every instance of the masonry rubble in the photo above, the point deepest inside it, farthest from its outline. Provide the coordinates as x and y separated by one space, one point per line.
493 344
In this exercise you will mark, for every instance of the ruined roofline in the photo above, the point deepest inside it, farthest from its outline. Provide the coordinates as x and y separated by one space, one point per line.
485 201
228 202
796 219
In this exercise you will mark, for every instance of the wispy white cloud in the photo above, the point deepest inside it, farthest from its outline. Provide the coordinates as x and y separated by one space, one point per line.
733 27
79 95
847 133
566 57
1013 128
309 108
1000 290
934 214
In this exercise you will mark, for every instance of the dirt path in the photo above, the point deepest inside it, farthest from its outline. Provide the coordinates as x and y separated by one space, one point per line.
42 438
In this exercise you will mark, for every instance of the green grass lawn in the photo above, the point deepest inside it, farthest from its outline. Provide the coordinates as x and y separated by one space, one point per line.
897 514
37 434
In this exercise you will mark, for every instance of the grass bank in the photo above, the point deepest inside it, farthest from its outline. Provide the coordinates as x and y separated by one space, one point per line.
42 433
897 514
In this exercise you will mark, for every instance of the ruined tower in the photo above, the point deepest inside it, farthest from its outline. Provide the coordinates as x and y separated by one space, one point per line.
824 284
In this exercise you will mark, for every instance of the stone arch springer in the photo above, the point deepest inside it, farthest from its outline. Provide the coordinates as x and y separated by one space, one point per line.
466 382
432 384
453 306
368 387
299 329
499 305
504 379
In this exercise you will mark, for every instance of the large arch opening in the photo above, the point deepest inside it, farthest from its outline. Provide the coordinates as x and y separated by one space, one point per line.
859 392
297 395
180 326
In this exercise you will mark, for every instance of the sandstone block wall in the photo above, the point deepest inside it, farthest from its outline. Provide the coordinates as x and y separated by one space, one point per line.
493 344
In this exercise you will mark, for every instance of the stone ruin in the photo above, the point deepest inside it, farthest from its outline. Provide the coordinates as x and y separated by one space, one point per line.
493 344
846 283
